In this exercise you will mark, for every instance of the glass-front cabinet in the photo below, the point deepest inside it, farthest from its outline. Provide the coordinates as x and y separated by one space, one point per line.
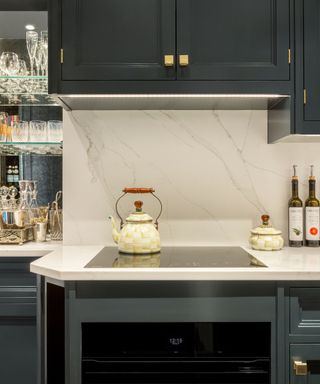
31 139
30 177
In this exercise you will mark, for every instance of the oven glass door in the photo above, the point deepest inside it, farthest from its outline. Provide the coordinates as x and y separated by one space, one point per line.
255 371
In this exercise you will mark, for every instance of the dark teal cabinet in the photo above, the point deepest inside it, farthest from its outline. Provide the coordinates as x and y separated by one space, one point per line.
234 40
214 46
305 363
303 333
117 39
308 64
18 335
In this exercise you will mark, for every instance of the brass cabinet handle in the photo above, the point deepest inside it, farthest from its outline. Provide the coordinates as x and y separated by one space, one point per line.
300 368
168 60
183 60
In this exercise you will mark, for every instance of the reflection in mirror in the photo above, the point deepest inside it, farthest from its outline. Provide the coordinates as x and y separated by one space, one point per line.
46 170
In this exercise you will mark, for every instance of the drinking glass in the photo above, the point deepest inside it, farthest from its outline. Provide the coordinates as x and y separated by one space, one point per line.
44 44
3 126
55 131
20 131
9 63
32 42
23 71
38 131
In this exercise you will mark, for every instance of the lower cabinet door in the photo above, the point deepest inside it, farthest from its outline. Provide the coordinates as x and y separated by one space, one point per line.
304 363
18 350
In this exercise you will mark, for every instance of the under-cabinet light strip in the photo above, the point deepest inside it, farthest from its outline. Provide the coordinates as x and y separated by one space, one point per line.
103 96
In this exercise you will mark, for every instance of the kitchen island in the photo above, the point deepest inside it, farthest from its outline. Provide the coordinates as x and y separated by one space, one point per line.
88 317
68 263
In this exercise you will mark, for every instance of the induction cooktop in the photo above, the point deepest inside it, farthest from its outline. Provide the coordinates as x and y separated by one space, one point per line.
177 257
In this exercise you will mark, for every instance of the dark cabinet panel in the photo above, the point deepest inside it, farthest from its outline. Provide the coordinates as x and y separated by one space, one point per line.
311 41
233 40
305 311
307 357
18 338
117 39
307 74
18 350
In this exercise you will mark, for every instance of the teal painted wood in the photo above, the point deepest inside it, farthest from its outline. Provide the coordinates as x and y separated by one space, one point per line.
282 352
118 39
234 40
162 302
307 40
304 352
224 57
311 41
18 341
305 311
18 350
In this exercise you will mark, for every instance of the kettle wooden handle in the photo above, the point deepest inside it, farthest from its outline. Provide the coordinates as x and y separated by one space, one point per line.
138 190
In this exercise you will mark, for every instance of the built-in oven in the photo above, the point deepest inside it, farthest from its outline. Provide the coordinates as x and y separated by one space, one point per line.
172 353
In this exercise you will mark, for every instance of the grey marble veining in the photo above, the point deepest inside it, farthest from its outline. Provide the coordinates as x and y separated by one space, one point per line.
213 170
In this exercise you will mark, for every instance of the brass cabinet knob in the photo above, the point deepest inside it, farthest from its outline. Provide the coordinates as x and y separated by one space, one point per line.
168 60
183 60
300 368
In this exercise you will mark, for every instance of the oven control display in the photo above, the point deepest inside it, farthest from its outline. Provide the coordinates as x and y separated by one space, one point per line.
175 341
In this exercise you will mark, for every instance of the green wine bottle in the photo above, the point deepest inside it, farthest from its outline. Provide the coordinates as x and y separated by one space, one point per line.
312 213
295 213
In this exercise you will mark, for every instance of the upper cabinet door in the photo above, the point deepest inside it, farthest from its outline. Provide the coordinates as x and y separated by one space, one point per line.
233 39
118 39
311 42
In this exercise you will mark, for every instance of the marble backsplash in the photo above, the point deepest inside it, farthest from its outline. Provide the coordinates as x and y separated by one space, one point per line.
213 170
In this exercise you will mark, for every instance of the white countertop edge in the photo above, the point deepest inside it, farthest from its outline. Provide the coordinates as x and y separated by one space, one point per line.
68 262
172 274
29 249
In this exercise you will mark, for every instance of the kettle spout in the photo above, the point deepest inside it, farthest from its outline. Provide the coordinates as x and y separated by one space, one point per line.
115 233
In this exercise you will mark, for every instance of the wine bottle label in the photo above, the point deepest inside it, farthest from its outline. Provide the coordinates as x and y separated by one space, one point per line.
296 224
312 223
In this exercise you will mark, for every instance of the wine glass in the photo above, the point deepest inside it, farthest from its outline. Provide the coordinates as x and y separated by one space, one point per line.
9 65
23 72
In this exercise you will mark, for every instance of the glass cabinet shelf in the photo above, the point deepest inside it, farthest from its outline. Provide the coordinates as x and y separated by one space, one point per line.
40 148
25 90
27 100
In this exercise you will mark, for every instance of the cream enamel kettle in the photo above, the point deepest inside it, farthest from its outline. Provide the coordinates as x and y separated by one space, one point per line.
139 235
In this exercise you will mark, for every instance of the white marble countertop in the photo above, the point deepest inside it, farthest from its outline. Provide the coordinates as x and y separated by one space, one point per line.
29 249
68 262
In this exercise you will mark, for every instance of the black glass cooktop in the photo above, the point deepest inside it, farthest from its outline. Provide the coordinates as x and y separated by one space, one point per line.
177 257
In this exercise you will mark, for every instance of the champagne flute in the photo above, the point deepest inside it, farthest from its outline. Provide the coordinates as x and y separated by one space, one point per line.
44 44
32 42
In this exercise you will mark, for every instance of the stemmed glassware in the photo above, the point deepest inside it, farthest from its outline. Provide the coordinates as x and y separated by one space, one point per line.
32 43
14 79
9 64
44 44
